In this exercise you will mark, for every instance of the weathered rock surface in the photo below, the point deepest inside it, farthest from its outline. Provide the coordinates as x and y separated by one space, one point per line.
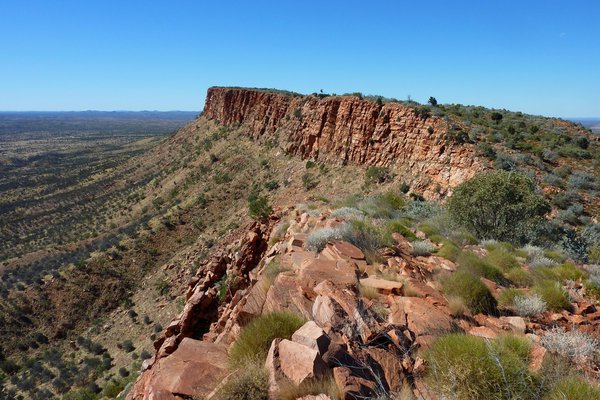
420 316
346 129
294 361
311 335
382 285
366 343
194 369
341 273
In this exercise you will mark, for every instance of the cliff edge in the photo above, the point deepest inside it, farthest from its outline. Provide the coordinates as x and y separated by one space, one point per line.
348 129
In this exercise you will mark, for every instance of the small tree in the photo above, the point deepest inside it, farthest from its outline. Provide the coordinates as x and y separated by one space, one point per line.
496 117
433 101
258 206
498 205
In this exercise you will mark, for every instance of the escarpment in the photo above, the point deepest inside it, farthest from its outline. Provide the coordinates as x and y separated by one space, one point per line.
347 129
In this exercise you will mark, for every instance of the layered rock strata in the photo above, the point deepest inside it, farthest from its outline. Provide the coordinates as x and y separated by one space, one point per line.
347 129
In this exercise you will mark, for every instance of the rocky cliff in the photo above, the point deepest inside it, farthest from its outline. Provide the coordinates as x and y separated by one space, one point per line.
348 129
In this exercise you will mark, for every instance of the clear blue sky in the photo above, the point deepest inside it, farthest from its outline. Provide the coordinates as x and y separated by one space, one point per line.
541 57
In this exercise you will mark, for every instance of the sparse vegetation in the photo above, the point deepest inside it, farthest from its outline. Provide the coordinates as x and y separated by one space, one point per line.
469 367
258 206
378 174
553 294
573 345
469 288
248 383
255 339
317 239
529 306
422 248
573 388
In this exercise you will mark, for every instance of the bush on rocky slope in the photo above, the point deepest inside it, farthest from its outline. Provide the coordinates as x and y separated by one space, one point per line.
249 383
498 205
573 389
255 339
469 367
476 295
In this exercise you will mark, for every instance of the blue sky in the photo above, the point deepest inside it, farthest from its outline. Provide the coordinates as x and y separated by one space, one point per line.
541 57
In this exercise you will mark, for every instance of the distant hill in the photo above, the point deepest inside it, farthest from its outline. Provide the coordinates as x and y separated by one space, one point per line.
591 123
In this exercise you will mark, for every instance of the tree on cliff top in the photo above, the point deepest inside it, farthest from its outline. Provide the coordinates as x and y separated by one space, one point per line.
498 205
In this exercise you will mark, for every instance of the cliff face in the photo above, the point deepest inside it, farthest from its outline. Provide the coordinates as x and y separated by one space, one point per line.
346 129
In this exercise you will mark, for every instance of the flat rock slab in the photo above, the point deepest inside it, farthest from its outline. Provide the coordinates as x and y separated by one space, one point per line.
341 273
341 249
293 361
382 285
285 295
296 258
420 316
194 370
517 324
311 335
484 332
420 289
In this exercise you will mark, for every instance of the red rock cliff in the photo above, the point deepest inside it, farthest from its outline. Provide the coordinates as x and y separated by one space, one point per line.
346 129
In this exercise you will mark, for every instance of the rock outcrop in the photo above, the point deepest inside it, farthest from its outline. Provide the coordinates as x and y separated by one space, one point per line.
347 129
364 341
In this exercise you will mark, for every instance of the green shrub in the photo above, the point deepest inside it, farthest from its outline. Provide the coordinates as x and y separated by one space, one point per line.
555 296
594 253
128 346
258 206
255 339
309 181
385 205
568 271
378 174
366 235
472 368
248 383
449 250
520 277
81 394
395 226
592 288
502 259
471 290
472 263
437 238
542 274
499 205
428 229
116 386
507 297
392 200
272 185
555 255
573 388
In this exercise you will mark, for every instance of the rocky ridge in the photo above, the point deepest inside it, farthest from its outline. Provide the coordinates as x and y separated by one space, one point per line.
348 129
368 351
